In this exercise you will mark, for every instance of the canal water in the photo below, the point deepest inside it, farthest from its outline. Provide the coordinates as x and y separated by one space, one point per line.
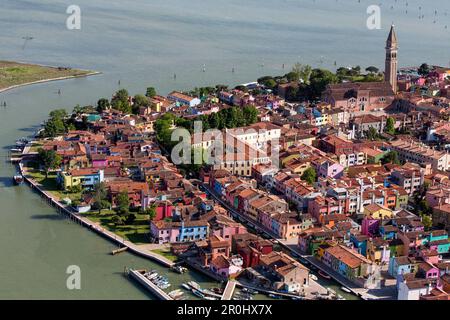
145 43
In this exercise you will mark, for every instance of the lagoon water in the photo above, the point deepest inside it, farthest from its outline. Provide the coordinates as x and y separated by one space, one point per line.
144 43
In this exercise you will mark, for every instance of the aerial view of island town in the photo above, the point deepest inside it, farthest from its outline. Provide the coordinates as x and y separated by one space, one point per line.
225 150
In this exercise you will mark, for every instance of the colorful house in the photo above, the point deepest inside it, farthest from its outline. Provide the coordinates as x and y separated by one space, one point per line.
87 178
377 211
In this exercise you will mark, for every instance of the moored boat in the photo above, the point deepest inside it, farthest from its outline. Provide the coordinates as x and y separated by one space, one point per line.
314 277
18 179
324 275
346 289
198 293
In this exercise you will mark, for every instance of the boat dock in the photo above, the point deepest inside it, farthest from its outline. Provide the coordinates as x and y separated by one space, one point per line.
153 288
229 290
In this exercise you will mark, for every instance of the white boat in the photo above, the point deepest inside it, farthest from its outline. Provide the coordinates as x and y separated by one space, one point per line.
209 298
187 287
198 294
313 277
194 285
346 289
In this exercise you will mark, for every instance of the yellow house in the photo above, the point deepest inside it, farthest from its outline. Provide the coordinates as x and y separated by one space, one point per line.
85 177
377 211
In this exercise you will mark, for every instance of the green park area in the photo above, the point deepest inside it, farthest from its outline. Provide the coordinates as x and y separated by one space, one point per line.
14 74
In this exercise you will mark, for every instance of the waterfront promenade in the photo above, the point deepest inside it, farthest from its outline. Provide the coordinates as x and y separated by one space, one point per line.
139 250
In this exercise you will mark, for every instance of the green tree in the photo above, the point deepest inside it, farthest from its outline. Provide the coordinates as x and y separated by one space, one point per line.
117 220
102 105
49 159
150 92
319 80
151 212
100 194
139 101
120 101
250 114
300 72
130 218
372 133
390 125
427 221
372 69
310 175
391 157
123 201
424 69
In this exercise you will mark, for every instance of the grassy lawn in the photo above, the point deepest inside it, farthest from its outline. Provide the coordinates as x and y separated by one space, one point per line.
166 253
137 232
49 184
13 73
35 147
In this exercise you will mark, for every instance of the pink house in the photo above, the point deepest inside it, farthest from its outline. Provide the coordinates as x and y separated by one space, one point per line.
323 206
330 169
226 267
428 270
369 226
225 227
99 160
164 233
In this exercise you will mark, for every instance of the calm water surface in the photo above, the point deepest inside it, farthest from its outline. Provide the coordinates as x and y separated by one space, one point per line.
144 43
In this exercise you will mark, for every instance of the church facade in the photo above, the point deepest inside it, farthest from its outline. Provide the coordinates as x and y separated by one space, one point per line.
367 96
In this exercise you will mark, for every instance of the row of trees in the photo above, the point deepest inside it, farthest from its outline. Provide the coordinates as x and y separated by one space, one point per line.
232 117
312 82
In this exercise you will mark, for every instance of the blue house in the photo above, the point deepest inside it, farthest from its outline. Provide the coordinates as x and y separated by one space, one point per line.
359 242
401 265
388 232
193 231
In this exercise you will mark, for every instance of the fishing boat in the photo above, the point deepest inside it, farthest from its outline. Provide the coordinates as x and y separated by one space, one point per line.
198 293
179 269
194 285
185 286
312 276
346 289
324 275
18 179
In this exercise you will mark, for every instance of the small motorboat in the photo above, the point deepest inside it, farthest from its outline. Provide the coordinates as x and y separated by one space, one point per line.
179 269
186 286
209 298
314 277
198 294
324 275
18 179
346 289
194 285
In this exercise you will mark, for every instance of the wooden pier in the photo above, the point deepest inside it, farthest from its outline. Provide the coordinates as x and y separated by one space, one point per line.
117 251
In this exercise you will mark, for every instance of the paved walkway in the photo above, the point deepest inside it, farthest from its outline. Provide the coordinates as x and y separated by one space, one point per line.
142 251
229 290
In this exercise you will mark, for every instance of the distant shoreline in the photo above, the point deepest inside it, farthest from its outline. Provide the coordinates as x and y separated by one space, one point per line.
85 73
